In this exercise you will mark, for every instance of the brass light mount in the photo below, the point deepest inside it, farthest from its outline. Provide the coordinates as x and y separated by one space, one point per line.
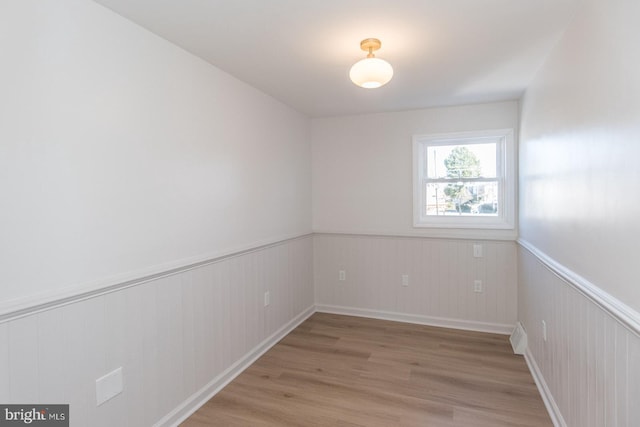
370 45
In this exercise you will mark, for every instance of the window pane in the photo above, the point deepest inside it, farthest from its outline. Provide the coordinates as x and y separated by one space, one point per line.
461 161
462 198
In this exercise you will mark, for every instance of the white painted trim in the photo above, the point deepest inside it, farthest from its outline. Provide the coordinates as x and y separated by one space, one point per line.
624 314
545 393
435 233
193 403
32 304
29 305
505 167
468 325
518 339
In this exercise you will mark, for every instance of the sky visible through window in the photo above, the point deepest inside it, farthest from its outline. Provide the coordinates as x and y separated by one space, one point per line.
485 153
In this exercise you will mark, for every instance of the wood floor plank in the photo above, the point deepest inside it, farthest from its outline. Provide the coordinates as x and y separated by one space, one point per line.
347 371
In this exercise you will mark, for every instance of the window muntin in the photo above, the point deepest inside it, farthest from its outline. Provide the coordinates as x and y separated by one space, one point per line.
464 180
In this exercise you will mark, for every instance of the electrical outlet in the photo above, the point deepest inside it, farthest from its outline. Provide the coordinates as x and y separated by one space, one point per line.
405 280
342 275
477 251
267 298
544 331
477 285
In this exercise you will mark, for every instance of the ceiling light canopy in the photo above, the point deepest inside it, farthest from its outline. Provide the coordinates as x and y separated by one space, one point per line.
371 72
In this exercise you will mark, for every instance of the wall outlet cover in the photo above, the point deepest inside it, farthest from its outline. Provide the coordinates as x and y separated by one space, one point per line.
405 280
477 251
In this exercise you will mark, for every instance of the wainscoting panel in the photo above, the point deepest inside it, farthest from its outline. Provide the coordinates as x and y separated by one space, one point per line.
178 338
441 280
588 368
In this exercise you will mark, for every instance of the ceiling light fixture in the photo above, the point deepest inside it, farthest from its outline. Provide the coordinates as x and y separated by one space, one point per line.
371 72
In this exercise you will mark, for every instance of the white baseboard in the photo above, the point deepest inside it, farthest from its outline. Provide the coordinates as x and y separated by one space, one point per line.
547 397
193 403
469 325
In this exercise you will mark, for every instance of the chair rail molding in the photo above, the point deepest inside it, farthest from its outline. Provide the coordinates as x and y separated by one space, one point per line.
613 306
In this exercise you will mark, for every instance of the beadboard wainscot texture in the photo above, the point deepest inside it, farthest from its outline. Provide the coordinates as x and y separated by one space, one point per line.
578 227
179 338
587 370
441 280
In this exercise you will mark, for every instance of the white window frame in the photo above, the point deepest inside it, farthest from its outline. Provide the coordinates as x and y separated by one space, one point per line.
505 176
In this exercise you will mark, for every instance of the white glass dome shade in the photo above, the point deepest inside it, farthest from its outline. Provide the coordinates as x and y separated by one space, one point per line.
371 72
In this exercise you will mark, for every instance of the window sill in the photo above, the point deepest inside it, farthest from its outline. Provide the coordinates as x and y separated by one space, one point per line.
456 222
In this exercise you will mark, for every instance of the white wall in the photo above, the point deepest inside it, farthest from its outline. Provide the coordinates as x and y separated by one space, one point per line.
128 167
123 155
177 338
362 212
579 150
362 166
441 275
579 218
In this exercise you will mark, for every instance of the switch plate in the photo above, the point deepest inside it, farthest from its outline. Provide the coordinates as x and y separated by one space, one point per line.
342 275
405 280
266 299
108 386
477 285
544 331
477 251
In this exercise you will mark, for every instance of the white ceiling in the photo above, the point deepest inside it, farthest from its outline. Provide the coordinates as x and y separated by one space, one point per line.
444 52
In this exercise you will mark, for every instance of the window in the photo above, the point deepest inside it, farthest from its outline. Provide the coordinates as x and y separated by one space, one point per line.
464 180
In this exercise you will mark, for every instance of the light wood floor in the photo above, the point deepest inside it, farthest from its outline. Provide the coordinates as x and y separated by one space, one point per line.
347 371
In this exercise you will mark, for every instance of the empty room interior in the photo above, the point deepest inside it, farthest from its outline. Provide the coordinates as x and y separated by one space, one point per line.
340 213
